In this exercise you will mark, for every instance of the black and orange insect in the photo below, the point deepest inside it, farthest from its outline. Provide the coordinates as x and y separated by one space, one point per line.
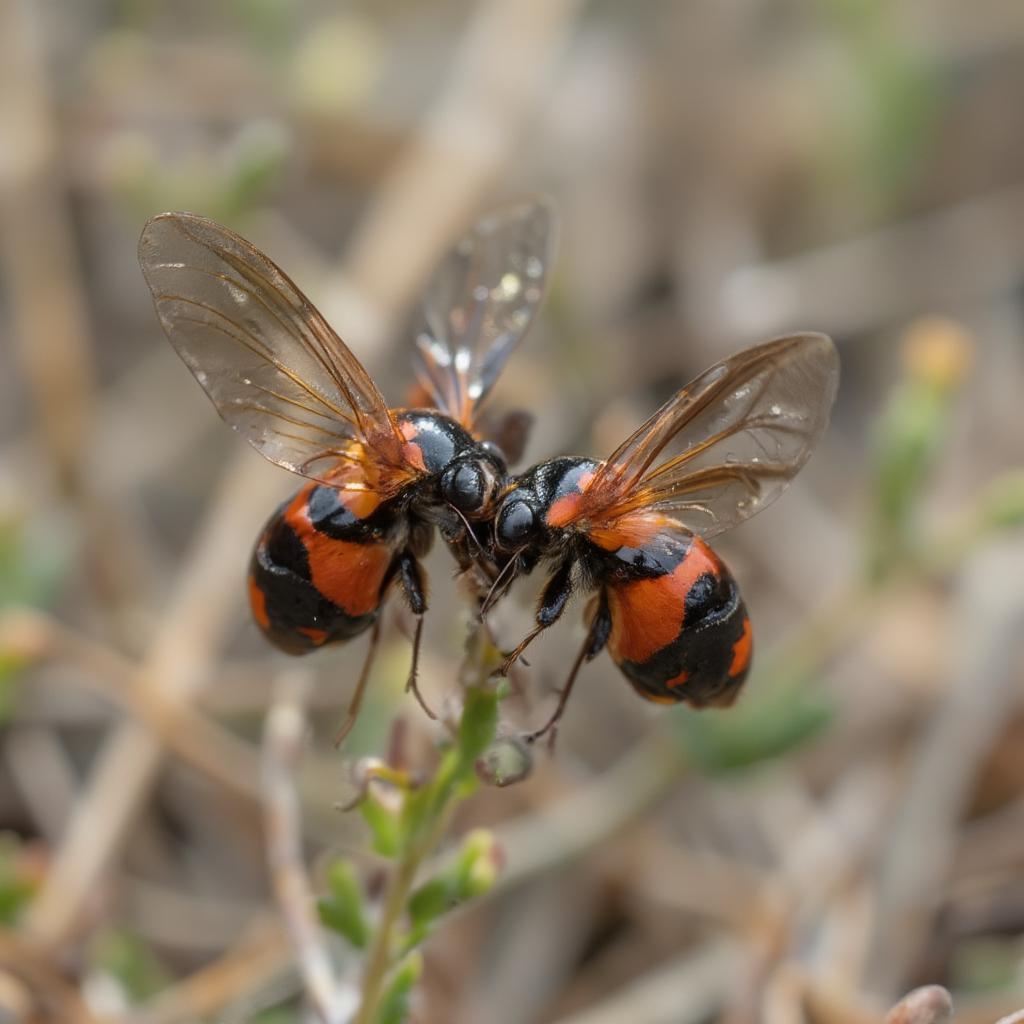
380 479
634 527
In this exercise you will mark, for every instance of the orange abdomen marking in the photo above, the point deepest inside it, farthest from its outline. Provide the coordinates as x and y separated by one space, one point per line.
350 575
741 651
647 615
347 573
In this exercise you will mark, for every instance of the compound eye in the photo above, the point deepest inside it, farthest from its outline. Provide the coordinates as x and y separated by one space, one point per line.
516 522
495 453
464 487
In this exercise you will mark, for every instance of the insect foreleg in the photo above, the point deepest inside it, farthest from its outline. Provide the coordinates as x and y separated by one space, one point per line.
597 636
553 600
410 574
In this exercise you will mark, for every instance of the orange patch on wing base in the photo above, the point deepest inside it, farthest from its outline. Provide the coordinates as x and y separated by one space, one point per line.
741 651
564 510
413 454
411 451
360 503
258 603
648 614
631 531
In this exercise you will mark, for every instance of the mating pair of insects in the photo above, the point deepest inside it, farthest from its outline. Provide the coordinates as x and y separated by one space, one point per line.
631 528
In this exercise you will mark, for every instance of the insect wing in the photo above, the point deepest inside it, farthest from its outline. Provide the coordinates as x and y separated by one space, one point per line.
271 364
727 444
480 302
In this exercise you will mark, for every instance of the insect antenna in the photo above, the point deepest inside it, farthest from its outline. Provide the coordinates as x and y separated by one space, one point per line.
469 531
501 584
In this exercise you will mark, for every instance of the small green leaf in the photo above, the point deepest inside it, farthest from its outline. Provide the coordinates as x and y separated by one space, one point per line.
473 872
431 900
384 825
479 864
418 810
478 725
394 1004
343 911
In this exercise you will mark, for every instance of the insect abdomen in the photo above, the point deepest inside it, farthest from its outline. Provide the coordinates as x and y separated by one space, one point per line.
318 571
683 635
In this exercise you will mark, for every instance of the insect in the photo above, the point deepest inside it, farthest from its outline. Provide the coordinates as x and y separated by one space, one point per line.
380 479
635 527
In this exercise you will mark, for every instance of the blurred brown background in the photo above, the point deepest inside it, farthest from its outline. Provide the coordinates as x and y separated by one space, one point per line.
725 171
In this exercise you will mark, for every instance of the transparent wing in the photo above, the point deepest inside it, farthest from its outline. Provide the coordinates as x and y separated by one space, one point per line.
480 302
269 361
728 443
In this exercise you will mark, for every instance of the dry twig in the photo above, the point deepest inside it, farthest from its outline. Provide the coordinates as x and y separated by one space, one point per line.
920 851
178 661
282 747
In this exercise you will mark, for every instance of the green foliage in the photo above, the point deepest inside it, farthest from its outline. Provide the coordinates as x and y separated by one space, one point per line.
909 441
132 962
277 1015
473 873
226 187
770 722
394 1004
908 444
406 828
384 825
892 97
986 963
1001 504
16 884
478 725
11 667
269 24
31 564
456 774
343 910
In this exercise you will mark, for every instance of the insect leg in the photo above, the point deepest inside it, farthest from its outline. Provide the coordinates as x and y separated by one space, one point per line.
364 677
597 637
553 600
416 593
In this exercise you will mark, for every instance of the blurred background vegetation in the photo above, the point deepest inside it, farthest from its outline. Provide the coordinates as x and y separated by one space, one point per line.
726 171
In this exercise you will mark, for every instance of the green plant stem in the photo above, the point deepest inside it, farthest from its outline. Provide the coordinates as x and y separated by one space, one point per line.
378 960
